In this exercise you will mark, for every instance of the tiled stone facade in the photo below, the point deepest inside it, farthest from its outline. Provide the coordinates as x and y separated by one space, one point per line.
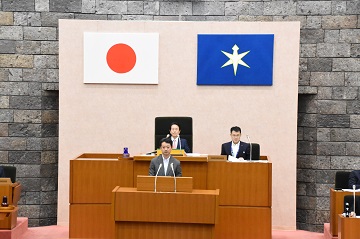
329 81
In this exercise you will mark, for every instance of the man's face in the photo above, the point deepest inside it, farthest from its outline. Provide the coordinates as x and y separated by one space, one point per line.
165 149
235 136
174 130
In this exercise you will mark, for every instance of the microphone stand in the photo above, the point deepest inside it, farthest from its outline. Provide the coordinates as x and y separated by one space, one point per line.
354 188
248 138
172 167
157 176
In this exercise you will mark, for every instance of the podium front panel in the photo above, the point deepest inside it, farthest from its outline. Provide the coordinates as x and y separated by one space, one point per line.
349 228
241 183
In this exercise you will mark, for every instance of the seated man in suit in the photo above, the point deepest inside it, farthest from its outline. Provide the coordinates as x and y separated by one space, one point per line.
165 164
2 172
354 179
178 143
235 147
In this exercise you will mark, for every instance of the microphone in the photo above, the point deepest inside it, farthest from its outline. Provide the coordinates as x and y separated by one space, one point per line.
172 167
157 176
354 188
248 138
179 141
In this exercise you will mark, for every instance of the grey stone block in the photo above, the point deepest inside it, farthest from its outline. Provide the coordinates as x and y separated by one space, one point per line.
3 157
353 148
24 130
50 117
27 116
11 33
48 184
331 107
323 134
135 7
350 35
304 78
30 211
27 19
91 17
46 61
307 120
237 8
338 8
33 143
49 130
16 60
49 143
255 9
49 197
306 147
354 121
352 78
50 102
301 189
331 148
328 121
332 36
48 221
49 157
305 161
35 89
255 18
33 222
30 176
32 198
28 47
51 19
345 162
345 134
308 50
307 90
327 78
322 190
49 170
303 64
151 8
42 5
7 46
110 7
311 35
4 130
346 64
11 143
313 22
323 214
6 18
15 74
65 5
339 22
208 8
310 134
345 93
176 8
282 8
320 64
24 157
35 75
305 202
313 8
355 50
50 86
48 210
333 50
18 5
6 115
353 7
306 175
14 88
40 33
88 6
25 102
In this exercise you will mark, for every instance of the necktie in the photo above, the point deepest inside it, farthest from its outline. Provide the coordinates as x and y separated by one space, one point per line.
174 144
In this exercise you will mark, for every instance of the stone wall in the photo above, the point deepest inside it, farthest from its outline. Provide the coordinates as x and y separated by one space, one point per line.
329 80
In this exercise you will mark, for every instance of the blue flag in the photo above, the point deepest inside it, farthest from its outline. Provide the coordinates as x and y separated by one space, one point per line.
235 59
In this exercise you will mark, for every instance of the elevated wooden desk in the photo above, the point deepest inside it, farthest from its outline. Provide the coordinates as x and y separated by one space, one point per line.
349 228
157 215
336 208
245 192
8 217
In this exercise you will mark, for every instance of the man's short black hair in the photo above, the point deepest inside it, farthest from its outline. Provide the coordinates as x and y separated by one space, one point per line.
166 140
175 123
236 129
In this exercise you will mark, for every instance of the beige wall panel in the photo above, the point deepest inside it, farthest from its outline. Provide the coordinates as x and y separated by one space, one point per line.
106 118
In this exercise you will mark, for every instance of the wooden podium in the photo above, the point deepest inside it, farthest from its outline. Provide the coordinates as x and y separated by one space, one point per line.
336 208
244 192
157 215
349 228
8 215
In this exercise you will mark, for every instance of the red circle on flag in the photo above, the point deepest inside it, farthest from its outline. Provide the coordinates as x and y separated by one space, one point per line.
121 58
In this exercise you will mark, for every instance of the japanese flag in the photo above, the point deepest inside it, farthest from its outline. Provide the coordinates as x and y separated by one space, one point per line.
121 58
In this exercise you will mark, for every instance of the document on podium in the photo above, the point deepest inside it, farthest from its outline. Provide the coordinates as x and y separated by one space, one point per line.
233 159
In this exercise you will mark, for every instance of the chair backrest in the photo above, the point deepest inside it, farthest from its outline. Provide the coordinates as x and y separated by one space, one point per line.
255 151
350 199
10 172
341 179
162 126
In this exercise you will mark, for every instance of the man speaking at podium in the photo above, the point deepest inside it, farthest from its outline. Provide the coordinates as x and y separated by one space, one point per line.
165 164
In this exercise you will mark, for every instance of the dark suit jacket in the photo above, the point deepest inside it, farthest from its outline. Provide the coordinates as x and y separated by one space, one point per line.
183 144
2 173
244 150
155 164
354 179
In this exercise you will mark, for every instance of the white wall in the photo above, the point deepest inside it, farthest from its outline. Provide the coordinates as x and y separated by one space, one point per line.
106 118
